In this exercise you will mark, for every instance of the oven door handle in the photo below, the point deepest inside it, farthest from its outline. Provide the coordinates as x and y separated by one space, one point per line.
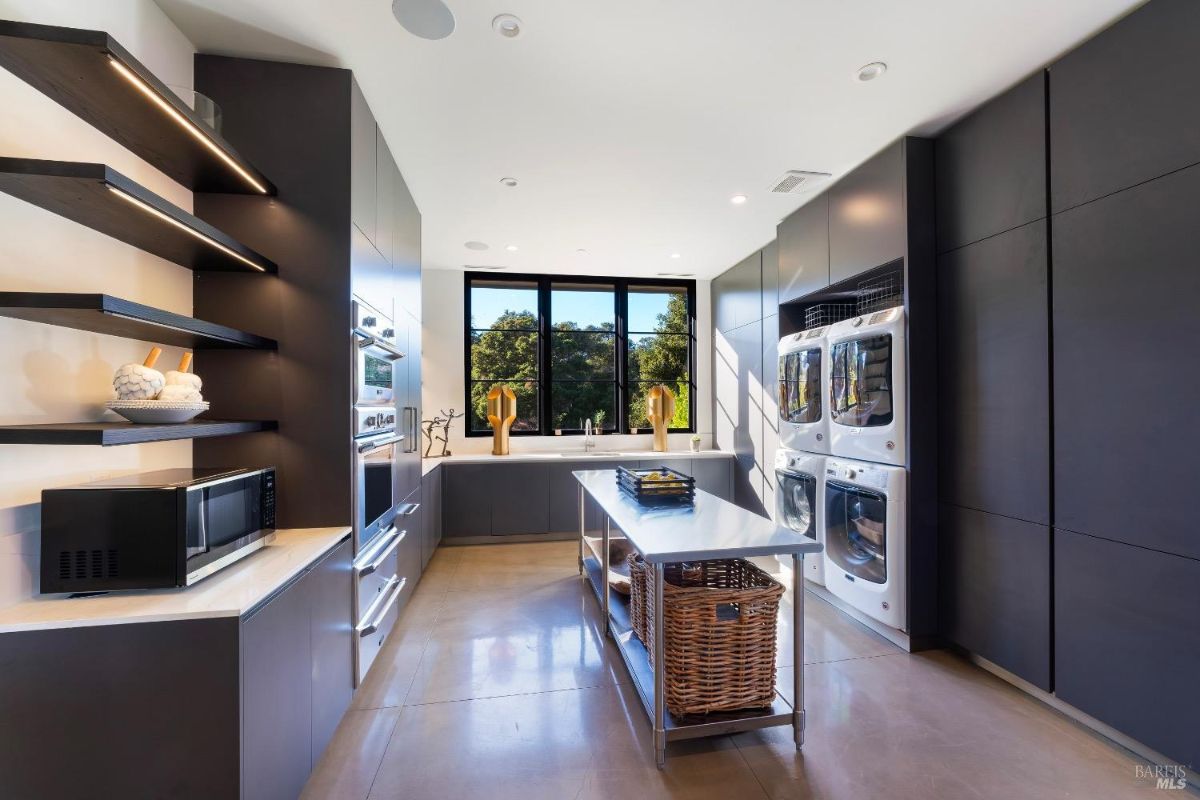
375 444
366 628
367 340
384 552
407 509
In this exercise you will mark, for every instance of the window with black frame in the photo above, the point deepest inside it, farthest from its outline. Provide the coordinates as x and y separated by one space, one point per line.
505 348
659 347
575 349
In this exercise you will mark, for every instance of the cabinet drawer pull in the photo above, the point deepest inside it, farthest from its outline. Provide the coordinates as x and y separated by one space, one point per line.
381 607
385 551
408 509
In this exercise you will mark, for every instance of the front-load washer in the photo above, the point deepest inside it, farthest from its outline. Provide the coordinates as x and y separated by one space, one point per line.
803 419
865 541
868 387
799 502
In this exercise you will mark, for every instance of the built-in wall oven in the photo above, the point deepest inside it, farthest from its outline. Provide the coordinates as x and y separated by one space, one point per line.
377 449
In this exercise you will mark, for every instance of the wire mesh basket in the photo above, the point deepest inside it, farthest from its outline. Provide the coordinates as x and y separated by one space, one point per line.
827 314
877 294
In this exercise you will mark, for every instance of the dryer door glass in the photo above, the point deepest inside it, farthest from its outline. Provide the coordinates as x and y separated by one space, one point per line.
856 530
800 386
860 381
797 498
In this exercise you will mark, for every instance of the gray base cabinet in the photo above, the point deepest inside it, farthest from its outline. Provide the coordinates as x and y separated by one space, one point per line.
431 504
522 498
191 709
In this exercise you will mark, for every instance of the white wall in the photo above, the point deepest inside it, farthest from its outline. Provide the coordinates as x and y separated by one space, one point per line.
443 378
56 374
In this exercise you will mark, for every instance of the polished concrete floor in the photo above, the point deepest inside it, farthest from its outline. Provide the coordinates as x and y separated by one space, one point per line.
498 684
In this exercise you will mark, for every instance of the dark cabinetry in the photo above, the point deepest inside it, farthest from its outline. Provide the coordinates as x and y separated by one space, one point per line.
466 511
713 475
1123 105
867 221
1126 640
520 499
737 294
991 167
363 167
996 589
296 675
1125 289
804 249
993 367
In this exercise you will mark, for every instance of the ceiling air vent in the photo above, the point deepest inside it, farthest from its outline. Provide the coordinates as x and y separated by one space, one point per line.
795 181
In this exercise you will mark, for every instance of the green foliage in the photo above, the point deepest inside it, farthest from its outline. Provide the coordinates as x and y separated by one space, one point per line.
508 354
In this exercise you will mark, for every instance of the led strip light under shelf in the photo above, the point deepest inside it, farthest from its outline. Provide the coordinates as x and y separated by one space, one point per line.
149 209
187 124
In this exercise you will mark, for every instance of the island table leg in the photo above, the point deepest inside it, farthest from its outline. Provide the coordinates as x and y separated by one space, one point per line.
660 665
582 526
604 572
798 649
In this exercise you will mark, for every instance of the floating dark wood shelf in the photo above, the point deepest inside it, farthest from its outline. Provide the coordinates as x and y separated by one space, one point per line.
105 200
102 313
114 433
91 75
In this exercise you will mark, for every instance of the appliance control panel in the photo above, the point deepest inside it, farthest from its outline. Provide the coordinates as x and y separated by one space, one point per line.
854 473
370 420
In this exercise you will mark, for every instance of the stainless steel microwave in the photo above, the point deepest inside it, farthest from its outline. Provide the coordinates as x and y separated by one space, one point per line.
153 530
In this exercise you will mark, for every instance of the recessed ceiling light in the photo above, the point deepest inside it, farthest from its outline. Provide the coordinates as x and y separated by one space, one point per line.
676 255
738 199
479 266
475 246
581 252
509 182
512 248
870 72
677 274
426 19
507 26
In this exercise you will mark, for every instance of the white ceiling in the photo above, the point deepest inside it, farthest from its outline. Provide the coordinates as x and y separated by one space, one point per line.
630 123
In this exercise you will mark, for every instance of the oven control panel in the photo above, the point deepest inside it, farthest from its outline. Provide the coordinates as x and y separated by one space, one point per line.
370 420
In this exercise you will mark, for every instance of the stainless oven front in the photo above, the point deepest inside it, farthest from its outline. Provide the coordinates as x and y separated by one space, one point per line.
375 357
376 461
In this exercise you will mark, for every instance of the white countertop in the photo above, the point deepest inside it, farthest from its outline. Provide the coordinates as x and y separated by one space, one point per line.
568 456
713 528
229 593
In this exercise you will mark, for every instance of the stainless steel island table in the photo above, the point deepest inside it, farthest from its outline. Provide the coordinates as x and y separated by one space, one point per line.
712 529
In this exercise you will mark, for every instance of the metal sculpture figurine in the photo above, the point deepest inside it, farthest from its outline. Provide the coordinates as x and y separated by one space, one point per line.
443 421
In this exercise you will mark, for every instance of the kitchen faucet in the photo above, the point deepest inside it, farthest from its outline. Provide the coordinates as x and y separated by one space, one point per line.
588 441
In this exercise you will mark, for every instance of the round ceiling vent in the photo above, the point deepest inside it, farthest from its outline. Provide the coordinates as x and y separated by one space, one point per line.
425 19
870 72
475 246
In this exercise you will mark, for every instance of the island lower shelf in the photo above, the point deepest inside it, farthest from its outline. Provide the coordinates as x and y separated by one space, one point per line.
637 663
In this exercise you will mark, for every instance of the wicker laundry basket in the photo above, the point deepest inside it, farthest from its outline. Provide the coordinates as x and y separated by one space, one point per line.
719 634
637 596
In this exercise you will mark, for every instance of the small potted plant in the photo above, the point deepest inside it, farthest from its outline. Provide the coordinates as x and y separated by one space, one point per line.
695 443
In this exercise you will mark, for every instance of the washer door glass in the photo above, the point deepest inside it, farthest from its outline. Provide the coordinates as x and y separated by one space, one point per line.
856 530
800 386
797 498
860 382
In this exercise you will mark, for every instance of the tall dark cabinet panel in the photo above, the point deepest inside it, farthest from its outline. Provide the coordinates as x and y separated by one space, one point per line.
867 217
803 240
740 413
1127 644
994 387
1125 289
770 278
996 589
283 118
991 167
1123 105
310 128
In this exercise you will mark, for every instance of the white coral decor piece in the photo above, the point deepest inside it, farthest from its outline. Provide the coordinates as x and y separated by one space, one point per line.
138 382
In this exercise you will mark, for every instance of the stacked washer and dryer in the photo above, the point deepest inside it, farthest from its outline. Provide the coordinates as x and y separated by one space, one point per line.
840 470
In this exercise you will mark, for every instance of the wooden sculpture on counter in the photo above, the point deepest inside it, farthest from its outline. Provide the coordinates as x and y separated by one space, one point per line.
501 413
660 410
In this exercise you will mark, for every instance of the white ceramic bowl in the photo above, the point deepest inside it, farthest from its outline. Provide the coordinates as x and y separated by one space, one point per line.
156 412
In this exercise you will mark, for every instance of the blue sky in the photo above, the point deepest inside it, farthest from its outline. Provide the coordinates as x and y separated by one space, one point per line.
582 307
